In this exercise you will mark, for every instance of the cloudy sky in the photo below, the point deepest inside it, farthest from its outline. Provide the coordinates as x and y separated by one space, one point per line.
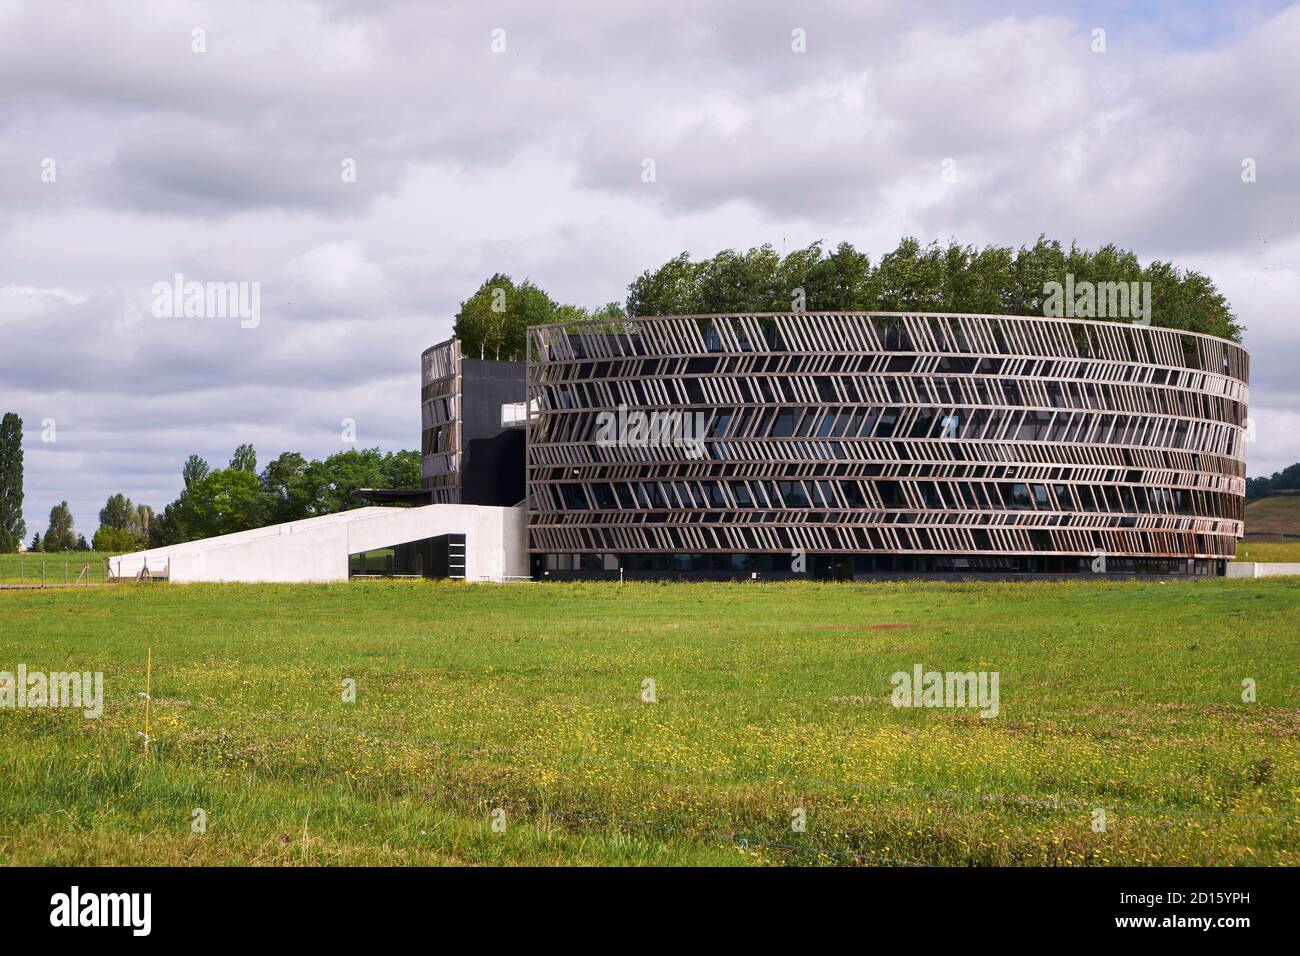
128 156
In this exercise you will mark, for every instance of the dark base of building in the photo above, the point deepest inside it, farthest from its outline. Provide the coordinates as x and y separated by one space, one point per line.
861 567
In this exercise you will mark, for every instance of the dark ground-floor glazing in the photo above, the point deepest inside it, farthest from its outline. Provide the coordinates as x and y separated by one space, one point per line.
830 567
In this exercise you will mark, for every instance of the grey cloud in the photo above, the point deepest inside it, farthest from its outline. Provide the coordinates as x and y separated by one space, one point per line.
177 166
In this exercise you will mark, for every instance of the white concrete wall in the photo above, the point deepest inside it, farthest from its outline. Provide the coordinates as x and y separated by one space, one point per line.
494 537
1257 569
317 549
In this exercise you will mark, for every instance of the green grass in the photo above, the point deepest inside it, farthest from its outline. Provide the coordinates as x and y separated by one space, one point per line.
1268 551
771 697
26 568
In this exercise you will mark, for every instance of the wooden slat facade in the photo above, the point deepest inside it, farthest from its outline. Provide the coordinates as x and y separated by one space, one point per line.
870 433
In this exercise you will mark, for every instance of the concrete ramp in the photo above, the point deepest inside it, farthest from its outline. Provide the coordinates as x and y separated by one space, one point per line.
317 549
1257 569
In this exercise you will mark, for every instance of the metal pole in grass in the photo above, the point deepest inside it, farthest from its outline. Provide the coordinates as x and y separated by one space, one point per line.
148 695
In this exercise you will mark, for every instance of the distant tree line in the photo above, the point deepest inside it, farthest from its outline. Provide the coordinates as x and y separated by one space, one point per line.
238 497
212 502
1286 481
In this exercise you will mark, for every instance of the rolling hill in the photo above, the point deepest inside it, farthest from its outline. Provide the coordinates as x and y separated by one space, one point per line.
1277 514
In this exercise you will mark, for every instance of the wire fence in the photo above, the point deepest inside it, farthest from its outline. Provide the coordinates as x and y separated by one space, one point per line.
26 571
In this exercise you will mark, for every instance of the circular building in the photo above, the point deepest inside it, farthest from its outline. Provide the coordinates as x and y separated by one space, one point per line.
875 444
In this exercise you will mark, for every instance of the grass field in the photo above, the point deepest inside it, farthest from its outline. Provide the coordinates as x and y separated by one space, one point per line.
769 698
26 568
1268 551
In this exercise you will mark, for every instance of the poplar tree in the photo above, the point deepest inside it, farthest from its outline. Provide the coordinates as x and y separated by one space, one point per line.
12 527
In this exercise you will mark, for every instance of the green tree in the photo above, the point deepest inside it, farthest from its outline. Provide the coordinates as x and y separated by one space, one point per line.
119 526
36 544
173 525
244 459
119 514
669 290
60 536
911 278
1192 299
481 314
333 481
115 540
288 488
532 306
12 527
1034 266
283 481
400 469
195 469
839 281
569 314
984 283
735 282
915 278
82 543
1286 480
226 501
491 323
800 280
